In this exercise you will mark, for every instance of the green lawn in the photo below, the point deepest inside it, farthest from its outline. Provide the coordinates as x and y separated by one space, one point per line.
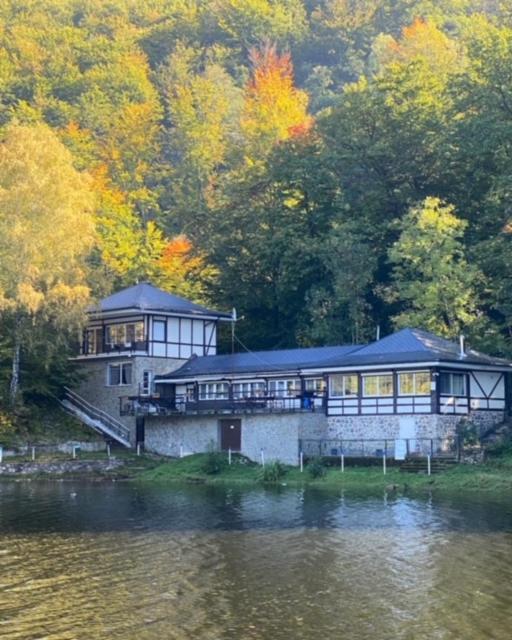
495 475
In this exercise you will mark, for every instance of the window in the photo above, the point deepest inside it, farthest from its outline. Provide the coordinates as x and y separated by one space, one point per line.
214 391
159 330
378 385
452 384
248 389
147 383
344 385
314 385
94 340
119 374
284 388
125 334
414 383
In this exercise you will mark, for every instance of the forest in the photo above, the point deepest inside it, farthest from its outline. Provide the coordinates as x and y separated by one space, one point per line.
327 167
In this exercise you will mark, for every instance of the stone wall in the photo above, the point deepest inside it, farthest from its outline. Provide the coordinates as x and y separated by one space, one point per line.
95 390
277 434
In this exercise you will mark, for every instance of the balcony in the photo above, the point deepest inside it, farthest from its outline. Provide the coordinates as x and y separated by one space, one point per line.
158 406
110 348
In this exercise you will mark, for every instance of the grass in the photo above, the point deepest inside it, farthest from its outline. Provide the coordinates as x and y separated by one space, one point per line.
494 475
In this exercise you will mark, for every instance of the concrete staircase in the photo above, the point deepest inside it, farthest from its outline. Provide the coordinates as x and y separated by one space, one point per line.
420 464
95 418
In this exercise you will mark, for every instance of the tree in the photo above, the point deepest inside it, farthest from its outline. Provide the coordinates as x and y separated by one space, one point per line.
432 280
46 233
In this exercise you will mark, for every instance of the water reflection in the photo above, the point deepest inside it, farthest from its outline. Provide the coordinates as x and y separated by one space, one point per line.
120 561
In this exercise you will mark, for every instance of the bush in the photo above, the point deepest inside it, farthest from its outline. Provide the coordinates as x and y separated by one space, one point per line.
316 468
212 462
272 472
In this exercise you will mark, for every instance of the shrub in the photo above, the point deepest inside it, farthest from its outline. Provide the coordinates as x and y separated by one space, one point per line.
316 468
272 472
212 462
7 428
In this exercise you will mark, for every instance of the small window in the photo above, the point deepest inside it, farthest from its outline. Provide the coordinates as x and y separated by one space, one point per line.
119 374
378 385
342 385
284 388
159 330
452 384
314 385
248 389
214 391
147 383
414 383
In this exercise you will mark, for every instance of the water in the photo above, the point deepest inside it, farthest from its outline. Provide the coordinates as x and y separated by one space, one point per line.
109 561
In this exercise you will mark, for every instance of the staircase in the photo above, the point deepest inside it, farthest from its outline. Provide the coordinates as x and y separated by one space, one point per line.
420 465
95 418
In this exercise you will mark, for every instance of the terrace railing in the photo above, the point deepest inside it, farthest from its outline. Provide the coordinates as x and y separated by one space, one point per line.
152 405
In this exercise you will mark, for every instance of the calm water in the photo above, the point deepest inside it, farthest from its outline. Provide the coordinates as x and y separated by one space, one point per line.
119 561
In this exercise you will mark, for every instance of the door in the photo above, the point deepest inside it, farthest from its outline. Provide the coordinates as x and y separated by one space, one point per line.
230 434
406 442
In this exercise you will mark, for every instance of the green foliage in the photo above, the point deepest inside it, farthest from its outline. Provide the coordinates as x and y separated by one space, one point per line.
213 462
316 468
272 472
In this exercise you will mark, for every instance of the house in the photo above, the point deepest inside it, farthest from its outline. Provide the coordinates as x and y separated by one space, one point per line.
152 365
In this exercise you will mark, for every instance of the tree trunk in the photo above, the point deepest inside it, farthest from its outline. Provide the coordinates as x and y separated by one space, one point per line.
15 374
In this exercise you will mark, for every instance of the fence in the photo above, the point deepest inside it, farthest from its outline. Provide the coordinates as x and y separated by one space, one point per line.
378 448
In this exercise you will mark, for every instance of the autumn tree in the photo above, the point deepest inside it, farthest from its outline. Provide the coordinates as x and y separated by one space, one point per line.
46 232
432 279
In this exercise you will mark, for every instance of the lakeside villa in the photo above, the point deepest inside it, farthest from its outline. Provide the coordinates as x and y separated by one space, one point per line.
153 378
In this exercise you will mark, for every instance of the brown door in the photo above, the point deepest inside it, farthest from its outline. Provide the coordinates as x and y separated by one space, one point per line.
230 434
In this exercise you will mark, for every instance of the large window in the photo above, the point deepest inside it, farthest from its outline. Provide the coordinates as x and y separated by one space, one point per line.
414 383
284 388
119 374
344 385
378 385
159 330
125 334
452 384
214 391
248 389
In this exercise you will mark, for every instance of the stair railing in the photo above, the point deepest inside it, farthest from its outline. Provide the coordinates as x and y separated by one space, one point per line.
98 414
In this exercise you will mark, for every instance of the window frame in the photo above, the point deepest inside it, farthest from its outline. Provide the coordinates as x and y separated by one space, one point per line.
163 322
315 391
344 393
255 389
289 390
122 366
379 394
206 391
451 375
414 385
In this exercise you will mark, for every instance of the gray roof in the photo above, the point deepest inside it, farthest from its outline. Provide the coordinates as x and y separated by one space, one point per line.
146 297
407 345
259 361
414 345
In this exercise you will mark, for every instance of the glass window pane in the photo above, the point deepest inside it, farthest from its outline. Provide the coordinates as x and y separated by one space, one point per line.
406 383
445 384
114 374
386 385
336 385
126 371
422 386
458 384
130 333
350 386
370 385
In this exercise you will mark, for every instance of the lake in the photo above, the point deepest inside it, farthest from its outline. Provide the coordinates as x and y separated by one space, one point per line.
106 561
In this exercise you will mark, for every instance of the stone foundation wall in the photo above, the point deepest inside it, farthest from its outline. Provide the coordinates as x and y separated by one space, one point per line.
95 390
277 434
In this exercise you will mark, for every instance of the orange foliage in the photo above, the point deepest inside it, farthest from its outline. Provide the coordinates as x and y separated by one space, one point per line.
177 259
274 109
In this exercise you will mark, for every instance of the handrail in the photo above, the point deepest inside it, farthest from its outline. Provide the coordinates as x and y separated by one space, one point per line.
98 414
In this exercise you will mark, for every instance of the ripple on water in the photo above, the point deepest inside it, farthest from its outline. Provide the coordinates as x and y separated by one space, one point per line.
108 562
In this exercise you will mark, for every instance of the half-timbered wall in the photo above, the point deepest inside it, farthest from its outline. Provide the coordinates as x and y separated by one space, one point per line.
171 337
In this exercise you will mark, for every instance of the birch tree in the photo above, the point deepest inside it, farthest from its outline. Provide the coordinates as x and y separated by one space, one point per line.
46 232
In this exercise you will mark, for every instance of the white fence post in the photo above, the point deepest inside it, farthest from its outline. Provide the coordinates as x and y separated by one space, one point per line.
429 469
342 463
384 464
181 451
229 456
138 448
262 458
108 450
33 453
301 458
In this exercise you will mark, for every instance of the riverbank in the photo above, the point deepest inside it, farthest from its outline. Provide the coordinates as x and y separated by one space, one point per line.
211 469
494 475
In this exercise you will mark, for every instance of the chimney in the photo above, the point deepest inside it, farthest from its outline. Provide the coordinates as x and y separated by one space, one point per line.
462 352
